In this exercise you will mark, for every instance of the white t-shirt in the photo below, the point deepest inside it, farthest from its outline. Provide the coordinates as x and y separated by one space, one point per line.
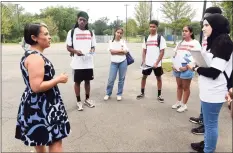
182 49
117 45
204 43
83 41
153 52
206 54
214 91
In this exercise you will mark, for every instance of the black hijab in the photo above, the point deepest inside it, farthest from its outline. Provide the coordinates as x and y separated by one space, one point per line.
219 42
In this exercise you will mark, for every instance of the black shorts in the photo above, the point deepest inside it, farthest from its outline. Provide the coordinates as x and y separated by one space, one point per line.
83 74
158 71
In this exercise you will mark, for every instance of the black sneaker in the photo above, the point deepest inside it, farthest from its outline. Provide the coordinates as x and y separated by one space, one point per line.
140 96
199 130
160 99
198 146
196 120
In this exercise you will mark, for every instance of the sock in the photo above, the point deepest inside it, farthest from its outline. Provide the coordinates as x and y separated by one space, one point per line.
179 102
159 93
142 91
87 96
78 98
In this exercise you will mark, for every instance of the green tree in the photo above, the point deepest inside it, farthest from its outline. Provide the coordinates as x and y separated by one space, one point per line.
142 16
6 22
107 32
115 24
227 7
132 28
101 25
52 27
161 28
196 27
63 17
176 14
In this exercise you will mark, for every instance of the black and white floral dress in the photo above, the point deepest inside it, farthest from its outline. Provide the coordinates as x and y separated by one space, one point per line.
42 118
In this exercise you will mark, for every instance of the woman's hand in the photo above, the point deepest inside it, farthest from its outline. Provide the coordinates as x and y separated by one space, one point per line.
174 69
182 69
62 78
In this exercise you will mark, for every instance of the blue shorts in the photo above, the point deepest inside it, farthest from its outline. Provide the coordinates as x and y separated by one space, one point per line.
188 74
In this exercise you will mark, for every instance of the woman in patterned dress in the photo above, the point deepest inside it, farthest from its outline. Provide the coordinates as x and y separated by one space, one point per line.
42 119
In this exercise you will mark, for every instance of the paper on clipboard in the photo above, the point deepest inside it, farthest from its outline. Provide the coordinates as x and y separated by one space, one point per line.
176 63
198 58
145 67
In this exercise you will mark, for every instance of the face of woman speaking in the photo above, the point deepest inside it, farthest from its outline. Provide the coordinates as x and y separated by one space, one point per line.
207 29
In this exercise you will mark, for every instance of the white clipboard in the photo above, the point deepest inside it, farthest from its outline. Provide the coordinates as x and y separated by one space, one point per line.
198 58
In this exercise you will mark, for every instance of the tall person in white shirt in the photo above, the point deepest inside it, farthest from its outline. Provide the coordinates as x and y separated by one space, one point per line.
199 120
152 56
214 80
82 47
183 74
118 50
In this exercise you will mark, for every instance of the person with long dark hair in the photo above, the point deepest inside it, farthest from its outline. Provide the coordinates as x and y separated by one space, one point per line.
213 80
183 74
118 50
81 44
42 119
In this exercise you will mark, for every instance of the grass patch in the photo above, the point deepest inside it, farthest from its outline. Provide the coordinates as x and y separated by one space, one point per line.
167 67
171 45
134 39
11 44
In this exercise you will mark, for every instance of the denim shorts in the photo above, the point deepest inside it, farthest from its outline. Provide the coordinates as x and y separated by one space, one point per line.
188 74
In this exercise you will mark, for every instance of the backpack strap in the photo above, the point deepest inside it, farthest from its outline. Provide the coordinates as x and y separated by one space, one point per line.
146 37
159 40
72 35
91 37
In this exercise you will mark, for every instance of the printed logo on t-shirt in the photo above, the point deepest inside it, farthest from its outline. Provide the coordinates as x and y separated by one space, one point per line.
152 43
83 36
204 43
185 47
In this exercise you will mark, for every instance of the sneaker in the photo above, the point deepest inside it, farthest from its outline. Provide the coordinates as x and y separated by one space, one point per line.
199 146
140 96
199 130
160 99
119 98
182 108
89 103
196 120
176 105
80 106
106 97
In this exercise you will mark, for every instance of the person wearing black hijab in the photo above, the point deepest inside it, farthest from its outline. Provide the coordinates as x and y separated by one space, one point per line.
199 120
213 80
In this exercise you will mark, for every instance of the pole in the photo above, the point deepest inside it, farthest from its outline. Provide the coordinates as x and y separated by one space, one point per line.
150 9
117 21
203 13
126 5
17 11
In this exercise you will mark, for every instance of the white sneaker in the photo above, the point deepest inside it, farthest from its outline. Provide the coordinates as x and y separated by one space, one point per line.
89 103
119 98
106 97
176 105
80 106
182 108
